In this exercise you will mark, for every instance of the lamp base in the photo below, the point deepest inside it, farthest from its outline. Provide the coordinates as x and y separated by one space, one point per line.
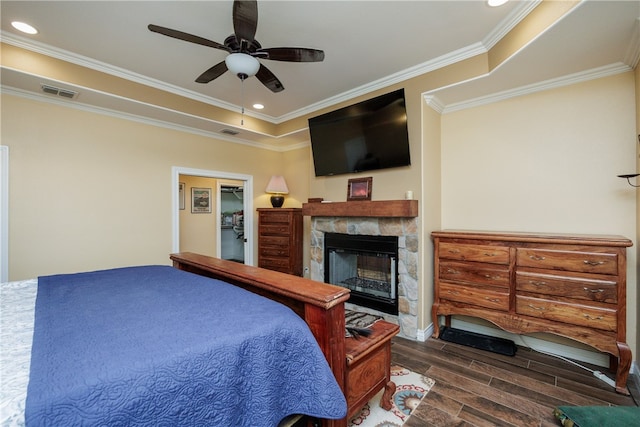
277 201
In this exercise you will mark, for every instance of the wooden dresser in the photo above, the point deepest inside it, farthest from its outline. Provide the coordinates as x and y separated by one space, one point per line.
569 285
280 239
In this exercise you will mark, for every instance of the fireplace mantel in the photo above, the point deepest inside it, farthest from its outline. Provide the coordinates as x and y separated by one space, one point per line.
363 208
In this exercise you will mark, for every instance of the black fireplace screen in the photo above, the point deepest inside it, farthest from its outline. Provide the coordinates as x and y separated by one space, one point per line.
367 265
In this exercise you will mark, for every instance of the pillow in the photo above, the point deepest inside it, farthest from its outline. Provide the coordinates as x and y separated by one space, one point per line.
597 416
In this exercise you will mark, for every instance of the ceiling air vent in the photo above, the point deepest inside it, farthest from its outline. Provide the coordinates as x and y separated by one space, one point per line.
52 90
229 132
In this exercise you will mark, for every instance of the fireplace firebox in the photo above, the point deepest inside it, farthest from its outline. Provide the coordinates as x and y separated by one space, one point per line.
367 265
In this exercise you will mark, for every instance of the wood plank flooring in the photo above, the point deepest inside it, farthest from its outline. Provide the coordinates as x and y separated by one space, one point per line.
480 388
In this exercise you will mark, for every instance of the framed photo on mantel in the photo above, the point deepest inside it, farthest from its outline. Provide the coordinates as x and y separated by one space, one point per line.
359 189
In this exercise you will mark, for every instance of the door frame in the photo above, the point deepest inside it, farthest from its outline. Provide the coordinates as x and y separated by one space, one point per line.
247 180
4 213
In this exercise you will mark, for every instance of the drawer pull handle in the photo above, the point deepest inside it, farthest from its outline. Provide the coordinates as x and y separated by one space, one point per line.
492 299
594 291
593 318
453 292
489 254
452 271
593 263
537 283
535 308
537 257
454 251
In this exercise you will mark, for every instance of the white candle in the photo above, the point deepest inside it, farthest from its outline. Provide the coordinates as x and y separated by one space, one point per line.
408 195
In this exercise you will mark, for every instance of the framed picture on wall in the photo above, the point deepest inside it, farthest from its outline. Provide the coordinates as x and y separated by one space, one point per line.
359 189
181 195
200 200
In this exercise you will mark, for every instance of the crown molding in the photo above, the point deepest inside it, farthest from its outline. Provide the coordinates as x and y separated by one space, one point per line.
34 96
508 23
502 29
434 102
595 73
92 64
633 52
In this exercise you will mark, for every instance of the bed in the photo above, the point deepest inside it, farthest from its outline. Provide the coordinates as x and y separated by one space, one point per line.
198 344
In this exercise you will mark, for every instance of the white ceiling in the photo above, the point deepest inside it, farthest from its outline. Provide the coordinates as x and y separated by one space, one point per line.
368 45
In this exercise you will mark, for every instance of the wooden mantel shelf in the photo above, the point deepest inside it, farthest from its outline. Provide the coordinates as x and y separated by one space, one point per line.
363 208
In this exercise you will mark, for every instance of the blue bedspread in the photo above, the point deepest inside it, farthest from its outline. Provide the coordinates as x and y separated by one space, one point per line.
158 346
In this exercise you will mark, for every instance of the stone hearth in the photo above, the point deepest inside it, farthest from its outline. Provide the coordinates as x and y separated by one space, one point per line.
406 228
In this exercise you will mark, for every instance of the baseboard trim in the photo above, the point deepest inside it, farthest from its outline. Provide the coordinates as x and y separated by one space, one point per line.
423 334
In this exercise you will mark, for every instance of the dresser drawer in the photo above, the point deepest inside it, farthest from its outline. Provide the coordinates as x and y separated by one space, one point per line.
581 287
274 217
474 273
489 298
567 312
274 251
588 262
273 241
279 264
470 252
279 229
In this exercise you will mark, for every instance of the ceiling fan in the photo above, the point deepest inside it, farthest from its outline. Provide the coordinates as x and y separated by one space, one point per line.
244 50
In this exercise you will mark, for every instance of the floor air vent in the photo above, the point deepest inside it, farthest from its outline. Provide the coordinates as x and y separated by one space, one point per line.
52 90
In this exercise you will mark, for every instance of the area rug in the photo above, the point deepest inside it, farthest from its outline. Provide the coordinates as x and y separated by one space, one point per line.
411 388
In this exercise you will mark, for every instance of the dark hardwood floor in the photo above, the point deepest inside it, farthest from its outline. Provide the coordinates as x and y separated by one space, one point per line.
480 388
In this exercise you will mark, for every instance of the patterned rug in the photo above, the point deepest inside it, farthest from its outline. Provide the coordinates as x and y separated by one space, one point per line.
411 389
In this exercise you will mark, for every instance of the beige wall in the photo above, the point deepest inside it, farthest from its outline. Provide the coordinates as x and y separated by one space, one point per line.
198 231
547 162
90 191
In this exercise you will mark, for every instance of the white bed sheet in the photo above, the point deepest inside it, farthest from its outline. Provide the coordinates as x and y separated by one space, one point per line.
17 305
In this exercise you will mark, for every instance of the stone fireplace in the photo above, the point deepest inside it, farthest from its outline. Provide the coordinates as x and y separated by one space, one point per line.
361 218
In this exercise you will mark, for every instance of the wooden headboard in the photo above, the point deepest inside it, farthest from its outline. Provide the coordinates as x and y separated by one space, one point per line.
320 305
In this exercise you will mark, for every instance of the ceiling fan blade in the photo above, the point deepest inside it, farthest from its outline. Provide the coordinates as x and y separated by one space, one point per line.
212 73
245 20
186 37
291 54
268 79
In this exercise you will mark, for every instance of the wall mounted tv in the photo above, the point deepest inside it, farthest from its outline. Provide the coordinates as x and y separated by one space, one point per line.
366 136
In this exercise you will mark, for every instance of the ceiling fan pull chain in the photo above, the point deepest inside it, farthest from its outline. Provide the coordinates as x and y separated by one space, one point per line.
242 100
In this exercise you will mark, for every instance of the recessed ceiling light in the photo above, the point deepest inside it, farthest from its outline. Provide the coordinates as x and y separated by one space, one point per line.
258 106
24 27
496 3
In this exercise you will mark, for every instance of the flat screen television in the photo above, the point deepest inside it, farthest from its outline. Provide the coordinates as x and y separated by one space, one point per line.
366 136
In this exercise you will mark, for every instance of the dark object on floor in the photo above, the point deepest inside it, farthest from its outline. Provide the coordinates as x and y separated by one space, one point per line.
479 341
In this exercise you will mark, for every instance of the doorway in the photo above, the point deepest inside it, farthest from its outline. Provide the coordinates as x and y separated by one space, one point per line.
215 218
230 238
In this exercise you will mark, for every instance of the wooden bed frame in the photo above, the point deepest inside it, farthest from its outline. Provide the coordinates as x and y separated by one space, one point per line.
320 305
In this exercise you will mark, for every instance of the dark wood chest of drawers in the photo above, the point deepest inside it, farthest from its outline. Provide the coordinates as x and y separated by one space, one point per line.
280 239
569 285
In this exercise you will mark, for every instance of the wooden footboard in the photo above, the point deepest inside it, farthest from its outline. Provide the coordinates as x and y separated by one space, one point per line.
320 305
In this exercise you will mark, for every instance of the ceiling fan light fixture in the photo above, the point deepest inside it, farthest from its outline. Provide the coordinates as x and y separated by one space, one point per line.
242 64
